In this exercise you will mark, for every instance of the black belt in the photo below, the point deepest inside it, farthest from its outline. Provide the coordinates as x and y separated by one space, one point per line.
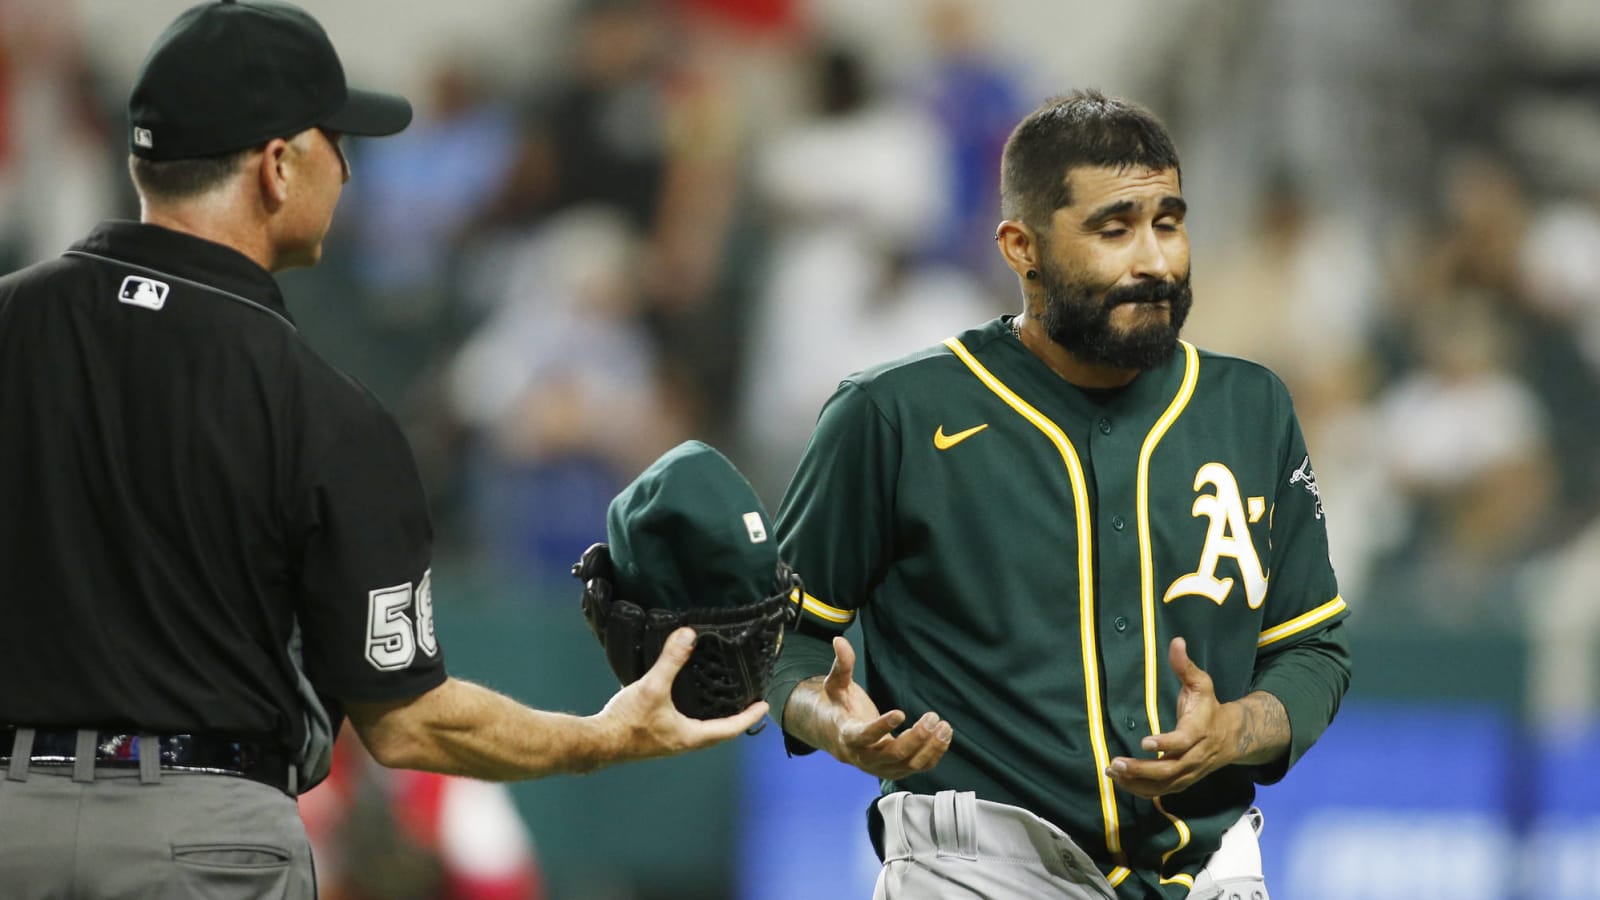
204 753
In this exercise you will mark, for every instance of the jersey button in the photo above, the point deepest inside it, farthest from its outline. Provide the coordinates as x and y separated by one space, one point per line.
1118 523
1132 725
1105 426
1119 623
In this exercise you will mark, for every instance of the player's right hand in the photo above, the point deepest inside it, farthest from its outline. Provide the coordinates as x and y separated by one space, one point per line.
652 726
865 738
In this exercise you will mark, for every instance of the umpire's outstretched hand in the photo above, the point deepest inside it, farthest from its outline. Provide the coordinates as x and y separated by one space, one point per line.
649 725
852 729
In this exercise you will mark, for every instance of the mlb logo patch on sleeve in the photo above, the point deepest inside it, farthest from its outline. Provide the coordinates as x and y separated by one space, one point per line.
145 292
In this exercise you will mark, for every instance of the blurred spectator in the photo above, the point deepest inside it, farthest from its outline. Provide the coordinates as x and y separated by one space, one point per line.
562 389
1298 289
1466 443
397 834
644 120
58 176
850 192
1559 262
691 288
599 136
418 191
1486 213
1493 246
976 100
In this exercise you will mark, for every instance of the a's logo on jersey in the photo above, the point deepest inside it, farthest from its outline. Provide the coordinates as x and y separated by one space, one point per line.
145 292
946 441
1228 535
1305 476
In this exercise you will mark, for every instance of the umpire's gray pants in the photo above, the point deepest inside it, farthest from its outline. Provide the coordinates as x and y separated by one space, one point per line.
953 846
121 836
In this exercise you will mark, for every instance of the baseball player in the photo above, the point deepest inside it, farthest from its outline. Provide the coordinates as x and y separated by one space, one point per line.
1088 560
214 547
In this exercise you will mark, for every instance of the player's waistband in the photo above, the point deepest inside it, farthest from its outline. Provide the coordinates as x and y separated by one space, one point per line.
198 753
904 825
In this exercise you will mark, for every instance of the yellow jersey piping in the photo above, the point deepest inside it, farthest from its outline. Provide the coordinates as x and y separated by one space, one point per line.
1183 835
1302 622
822 610
1180 401
1080 499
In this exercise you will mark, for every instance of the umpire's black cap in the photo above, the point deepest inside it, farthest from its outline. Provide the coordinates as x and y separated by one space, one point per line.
226 76
691 532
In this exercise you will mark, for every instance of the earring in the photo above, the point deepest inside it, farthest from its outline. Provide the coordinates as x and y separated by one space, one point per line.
1033 274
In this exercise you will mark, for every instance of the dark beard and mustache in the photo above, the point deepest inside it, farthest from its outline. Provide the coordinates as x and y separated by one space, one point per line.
1079 319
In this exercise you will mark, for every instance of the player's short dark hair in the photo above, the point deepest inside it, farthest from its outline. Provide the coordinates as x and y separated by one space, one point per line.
1083 128
180 179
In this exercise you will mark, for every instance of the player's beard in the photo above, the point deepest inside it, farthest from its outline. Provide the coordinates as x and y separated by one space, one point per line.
1077 315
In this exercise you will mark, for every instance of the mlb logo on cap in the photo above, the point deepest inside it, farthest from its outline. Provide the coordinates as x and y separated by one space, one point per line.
145 292
143 138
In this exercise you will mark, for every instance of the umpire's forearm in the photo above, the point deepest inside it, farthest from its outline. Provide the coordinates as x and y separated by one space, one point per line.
461 728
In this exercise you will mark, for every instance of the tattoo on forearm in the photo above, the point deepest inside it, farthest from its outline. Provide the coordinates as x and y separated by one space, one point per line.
1263 728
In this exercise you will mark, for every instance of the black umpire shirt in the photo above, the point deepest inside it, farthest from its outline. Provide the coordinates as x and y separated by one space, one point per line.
183 482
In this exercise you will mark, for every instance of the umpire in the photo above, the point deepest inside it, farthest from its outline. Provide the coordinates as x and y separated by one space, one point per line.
214 547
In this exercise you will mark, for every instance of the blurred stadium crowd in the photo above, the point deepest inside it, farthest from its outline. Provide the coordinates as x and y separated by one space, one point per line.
710 211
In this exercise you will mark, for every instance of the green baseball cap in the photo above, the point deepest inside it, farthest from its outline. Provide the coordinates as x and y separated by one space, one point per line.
229 75
691 532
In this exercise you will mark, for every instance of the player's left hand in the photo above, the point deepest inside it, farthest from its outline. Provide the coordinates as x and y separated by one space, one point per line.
1197 745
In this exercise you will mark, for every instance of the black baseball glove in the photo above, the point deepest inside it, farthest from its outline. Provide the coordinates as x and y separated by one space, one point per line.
733 658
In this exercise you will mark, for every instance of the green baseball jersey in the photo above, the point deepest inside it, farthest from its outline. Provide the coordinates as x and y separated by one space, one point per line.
1020 552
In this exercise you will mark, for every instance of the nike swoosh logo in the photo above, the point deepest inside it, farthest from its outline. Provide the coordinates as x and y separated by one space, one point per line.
946 441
